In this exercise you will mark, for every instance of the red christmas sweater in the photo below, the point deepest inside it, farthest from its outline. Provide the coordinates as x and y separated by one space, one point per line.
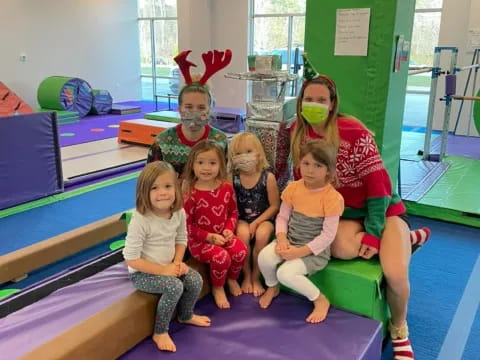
364 182
210 211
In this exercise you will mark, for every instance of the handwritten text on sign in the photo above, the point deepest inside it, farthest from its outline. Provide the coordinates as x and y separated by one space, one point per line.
351 35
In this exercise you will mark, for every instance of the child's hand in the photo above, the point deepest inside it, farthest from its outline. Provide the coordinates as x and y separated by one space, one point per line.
171 270
367 252
282 245
289 254
228 234
216 239
253 228
183 268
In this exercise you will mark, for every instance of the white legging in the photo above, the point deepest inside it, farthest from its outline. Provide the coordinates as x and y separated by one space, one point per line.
291 273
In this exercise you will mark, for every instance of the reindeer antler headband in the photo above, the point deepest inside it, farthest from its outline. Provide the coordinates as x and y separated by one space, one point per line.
214 61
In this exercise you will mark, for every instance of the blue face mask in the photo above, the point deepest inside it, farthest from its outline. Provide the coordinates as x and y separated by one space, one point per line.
194 120
315 113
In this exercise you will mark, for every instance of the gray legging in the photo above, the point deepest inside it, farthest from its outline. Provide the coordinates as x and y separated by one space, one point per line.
183 291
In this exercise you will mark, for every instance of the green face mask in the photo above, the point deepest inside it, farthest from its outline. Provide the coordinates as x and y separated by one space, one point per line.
314 113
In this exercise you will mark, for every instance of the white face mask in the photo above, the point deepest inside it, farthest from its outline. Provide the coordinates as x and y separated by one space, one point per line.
245 162
194 120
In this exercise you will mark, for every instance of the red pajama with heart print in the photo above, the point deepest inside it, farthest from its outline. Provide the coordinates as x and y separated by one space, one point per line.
213 211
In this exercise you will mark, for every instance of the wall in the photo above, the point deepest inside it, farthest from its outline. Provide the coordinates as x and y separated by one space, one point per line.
94 40
216 24
458 17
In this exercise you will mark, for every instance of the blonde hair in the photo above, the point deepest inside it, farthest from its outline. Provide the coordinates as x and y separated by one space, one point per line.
324 153
189 177
242 138
195 87
145 181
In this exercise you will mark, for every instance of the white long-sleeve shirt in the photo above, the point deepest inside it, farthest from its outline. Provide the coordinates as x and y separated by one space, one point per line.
153 238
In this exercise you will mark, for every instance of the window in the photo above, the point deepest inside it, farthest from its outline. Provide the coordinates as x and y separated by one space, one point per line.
277 27
157 21
426 29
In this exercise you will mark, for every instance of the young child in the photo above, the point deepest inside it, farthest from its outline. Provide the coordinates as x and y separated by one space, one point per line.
195 103
306 226
154 248
212 218
258 201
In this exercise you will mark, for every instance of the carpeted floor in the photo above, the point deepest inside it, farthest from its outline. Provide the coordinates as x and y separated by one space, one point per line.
445 294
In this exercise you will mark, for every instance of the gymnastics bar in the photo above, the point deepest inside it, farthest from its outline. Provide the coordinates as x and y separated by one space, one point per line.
419 71
461 97
110 332
23 261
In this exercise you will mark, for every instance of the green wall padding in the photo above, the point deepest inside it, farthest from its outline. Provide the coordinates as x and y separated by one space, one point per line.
367 85
476 113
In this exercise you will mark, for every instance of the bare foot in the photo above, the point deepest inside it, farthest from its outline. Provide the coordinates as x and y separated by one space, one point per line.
320 310
197 320
258 289
268 296
234 288
220 297
164 342
247 287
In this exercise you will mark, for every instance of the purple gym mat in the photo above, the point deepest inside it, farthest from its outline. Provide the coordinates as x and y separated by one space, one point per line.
418 177
280 332
101 125
32 326
457 145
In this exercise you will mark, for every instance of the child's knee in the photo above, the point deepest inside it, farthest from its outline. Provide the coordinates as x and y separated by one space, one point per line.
193 279
175 288
221 259
265 256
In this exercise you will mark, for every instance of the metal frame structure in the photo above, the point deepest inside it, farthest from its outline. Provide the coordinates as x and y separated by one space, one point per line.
448 97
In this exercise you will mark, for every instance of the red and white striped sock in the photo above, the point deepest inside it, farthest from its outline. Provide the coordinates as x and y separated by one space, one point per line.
419 237
402 349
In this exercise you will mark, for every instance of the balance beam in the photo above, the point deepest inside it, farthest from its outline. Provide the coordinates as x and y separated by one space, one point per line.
23 261
111 332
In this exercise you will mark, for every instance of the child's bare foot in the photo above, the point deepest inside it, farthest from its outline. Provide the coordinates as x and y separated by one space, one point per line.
220 297
234 288
258 289
268 296
320 310
164 342
197 320
247 287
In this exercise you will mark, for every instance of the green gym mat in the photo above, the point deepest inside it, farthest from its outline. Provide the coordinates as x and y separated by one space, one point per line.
169 116
412 142
455 195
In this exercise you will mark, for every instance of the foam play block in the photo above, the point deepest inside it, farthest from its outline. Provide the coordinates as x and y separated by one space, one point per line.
141 131
166 115
119 109
354 285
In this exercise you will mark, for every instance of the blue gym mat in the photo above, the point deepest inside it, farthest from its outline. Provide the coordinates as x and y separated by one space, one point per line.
34 225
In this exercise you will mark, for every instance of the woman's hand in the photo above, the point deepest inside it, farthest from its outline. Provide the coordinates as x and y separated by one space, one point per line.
367 252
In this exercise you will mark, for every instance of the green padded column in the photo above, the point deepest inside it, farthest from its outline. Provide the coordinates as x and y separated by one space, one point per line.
367 85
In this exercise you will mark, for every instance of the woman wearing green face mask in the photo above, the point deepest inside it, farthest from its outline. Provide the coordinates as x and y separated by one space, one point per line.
374 218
